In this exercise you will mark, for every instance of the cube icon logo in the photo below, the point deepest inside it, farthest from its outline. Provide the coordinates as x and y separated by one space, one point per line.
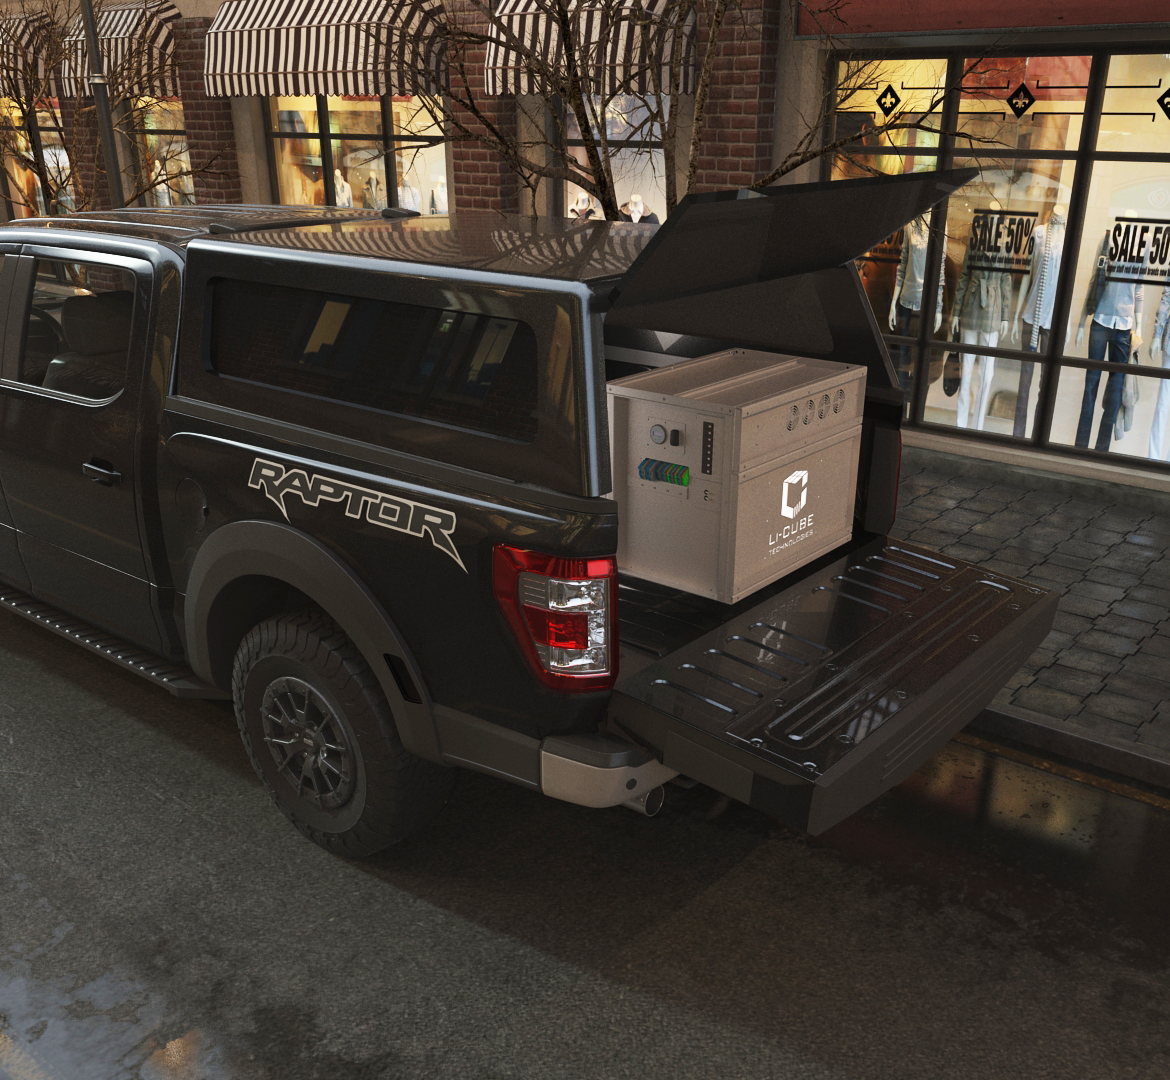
795 493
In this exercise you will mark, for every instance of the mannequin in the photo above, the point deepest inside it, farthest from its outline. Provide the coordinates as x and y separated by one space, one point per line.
906 303
409 197
373 194
1160 353
1034 304
635 210
982 299
1114 309
162 189
439 194
341 190
583 207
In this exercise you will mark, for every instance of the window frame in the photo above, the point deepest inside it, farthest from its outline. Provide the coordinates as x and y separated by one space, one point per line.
137 137
19 300
561 190
34 134
390 144
404 376
1083 157
564 456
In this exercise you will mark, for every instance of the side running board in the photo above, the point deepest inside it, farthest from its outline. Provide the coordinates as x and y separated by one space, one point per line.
175 678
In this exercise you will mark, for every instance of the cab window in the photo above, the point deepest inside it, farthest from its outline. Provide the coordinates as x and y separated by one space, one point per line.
77 329
466 369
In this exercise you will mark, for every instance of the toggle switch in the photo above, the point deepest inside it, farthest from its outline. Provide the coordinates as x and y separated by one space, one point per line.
675 436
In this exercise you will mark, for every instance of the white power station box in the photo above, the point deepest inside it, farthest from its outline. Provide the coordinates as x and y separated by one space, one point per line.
733 469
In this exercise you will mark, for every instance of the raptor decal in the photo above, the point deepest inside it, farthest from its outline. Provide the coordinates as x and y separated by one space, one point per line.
377 507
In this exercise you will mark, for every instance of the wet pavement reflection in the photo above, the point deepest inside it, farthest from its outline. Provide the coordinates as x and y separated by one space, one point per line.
159 919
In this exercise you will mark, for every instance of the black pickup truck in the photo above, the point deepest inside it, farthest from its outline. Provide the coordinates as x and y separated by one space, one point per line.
350 469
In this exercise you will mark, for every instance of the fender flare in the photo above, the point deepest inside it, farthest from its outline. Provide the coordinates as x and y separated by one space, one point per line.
268 549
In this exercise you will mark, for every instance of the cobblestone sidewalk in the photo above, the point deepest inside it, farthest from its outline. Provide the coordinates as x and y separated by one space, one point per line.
1106 665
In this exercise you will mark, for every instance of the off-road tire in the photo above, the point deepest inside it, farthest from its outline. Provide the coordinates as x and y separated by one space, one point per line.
391 793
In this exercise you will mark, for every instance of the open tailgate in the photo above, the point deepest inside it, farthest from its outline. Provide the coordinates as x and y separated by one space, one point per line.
812 703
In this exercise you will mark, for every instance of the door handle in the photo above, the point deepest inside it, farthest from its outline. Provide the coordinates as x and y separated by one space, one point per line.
101 472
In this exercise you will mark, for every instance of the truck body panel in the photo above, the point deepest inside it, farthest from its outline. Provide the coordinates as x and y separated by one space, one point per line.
252 463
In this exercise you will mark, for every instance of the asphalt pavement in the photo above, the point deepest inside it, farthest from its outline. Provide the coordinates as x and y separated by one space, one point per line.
159 918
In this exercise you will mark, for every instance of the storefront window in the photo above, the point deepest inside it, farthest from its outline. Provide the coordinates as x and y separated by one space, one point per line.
1023 103
25 194
869 94
893 272
163 159
296 158
874 92
1119 308
991 244
1135 114
1124 264
360 164
421 167
994 361
1119 412
636 161
993 394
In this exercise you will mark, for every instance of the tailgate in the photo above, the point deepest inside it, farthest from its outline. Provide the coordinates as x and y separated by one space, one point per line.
815 701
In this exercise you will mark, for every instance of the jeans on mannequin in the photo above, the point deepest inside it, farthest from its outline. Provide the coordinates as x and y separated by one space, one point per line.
1102 338
907 326
973 399
1027 370
1159 449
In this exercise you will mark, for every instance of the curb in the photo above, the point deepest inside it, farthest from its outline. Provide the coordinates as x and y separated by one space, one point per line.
1105 490
1137 761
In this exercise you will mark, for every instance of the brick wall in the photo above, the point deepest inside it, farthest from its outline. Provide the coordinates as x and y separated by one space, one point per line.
481 180
738 126
211 138
738 129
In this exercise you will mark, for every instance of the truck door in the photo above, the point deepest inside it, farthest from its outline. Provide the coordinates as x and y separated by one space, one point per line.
11 566
74 350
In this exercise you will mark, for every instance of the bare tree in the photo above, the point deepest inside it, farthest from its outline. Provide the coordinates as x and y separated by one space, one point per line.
618 76
43 56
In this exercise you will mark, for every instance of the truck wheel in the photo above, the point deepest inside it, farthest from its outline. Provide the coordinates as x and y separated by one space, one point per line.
321 737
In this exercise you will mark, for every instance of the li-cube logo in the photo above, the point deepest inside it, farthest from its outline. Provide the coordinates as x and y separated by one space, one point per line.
795 495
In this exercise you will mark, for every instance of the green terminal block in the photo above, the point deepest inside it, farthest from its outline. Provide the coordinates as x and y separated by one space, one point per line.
664 472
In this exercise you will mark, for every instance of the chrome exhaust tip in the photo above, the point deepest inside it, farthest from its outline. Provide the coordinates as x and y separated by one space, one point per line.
648 803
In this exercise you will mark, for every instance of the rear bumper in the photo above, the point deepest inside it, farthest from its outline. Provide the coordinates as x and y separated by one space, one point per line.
594 771
814 702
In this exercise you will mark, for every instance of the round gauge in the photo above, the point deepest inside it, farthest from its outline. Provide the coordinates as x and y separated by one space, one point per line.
658 434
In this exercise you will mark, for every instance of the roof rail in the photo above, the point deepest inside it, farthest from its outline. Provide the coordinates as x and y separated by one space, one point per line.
219 228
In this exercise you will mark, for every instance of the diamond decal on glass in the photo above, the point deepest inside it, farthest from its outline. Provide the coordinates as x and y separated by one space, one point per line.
1164 101
888 100
1021 100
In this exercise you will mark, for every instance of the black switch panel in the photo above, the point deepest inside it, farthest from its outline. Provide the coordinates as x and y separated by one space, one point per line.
675 436
708 446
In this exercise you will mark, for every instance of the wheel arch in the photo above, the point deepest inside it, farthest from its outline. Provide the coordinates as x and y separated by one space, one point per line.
243 574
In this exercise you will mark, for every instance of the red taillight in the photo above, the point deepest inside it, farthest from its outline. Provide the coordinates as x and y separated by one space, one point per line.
561 630
563 613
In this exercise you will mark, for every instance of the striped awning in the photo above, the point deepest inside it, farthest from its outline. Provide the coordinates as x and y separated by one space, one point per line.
138 48
22 57
624 46
351 47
